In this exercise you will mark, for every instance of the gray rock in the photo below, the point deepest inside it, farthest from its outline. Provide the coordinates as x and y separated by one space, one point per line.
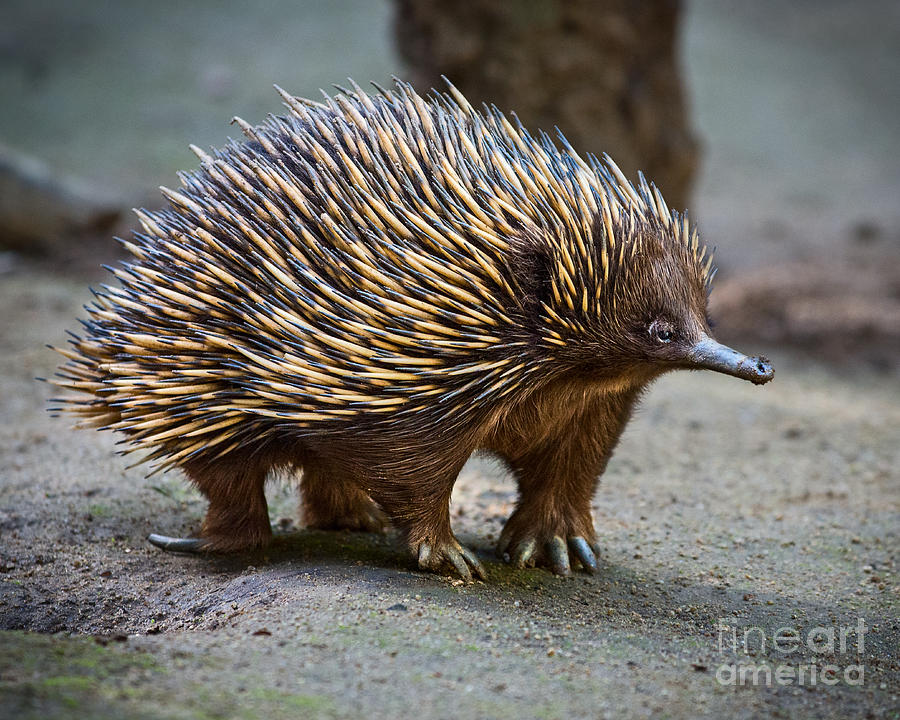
41 212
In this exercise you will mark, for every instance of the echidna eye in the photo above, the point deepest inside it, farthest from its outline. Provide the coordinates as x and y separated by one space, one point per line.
664 334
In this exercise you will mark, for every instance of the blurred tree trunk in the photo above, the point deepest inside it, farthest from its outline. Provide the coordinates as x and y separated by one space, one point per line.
605 71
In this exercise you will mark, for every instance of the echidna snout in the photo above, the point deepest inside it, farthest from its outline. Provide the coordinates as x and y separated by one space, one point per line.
711 355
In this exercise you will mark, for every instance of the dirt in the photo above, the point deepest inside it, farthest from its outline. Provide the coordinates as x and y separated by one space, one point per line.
766 507
728 513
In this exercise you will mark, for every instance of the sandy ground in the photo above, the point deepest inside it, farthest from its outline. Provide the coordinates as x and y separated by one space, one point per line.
727 509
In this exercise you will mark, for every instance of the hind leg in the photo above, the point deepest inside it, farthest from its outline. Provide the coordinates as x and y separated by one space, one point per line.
329 501
238 516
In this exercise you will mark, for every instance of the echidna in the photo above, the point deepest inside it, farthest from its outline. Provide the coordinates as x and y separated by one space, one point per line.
371 289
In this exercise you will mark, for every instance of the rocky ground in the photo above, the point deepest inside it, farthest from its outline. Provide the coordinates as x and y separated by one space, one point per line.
729 513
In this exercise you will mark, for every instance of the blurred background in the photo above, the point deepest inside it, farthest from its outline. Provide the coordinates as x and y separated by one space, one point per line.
775 123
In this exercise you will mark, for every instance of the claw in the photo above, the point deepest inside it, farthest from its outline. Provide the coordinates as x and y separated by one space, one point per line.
459 562
583 551
558 554
524 553
463 560
182 545
474 562
425 556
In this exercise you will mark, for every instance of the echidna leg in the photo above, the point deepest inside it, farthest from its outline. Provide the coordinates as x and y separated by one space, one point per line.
552 524
419 505
237 518
331 501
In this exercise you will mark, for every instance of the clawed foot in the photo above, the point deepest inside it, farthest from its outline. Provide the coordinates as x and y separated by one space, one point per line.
529 547
438 557
353 512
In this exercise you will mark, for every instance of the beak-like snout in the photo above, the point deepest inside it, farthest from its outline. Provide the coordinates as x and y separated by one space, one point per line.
712 355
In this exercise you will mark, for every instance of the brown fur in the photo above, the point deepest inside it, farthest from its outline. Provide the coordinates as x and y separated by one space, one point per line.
237 518
557 444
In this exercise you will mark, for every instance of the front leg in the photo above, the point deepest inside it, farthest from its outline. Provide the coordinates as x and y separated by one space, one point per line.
420 507
547 530
412 484
557 474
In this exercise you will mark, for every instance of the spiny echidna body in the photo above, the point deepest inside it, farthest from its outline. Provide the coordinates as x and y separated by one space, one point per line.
371 289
